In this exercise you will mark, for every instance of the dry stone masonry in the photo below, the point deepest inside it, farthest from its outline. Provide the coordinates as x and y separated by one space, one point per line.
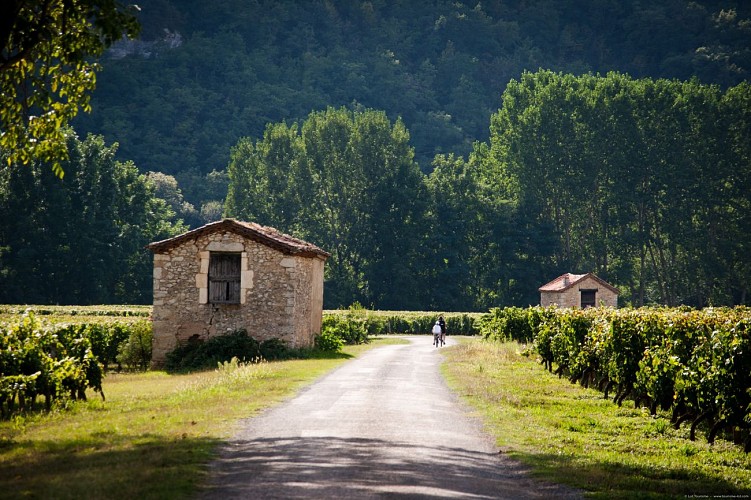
280 286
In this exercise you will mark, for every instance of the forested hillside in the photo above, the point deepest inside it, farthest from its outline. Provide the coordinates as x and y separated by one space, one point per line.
205 74
449 156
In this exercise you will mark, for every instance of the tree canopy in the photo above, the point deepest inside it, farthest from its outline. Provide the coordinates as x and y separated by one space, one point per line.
81 239
417 142
347 179
644 182
205 74
47 72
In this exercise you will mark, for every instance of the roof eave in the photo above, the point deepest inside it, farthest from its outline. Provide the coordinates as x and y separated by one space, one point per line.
575 282
242 230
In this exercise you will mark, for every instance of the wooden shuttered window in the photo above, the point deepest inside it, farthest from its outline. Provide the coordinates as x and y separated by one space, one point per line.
224 278
588 298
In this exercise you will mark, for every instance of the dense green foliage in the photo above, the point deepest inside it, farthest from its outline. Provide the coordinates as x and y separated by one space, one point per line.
398 239
404 322
69 311
347 181
37 362
363 128
79 240
205 74
240 347
47 70
350 326
697 364
135 351
643 181
204 355
569 434
328 341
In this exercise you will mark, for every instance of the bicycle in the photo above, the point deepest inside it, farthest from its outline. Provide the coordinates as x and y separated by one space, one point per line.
436 339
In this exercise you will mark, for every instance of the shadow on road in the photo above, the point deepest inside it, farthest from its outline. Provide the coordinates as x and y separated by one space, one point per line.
329 467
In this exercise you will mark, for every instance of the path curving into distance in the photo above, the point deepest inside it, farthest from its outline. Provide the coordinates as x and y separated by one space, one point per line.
384 425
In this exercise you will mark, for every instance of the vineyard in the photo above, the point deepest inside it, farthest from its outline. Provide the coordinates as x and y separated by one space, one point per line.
65 313
405 322
693 364
55 353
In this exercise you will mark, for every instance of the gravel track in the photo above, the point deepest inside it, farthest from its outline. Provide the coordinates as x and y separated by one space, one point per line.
384 425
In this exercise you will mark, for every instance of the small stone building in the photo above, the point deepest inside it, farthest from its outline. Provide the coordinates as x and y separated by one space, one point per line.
578 290
231 275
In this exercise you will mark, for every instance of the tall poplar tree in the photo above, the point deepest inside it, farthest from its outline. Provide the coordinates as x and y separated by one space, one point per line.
81 239
638 177
347 181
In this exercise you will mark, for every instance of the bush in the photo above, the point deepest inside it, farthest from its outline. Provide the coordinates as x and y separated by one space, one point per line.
199 355
273 349
329 342
349 327
135 352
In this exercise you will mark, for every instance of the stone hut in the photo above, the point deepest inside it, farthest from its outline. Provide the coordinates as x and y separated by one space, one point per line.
578 290
231 275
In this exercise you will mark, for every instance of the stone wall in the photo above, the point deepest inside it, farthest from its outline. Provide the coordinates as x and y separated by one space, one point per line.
280 296
572 296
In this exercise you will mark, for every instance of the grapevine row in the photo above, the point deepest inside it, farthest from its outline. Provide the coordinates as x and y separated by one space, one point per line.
406 322
58 311
60 361
694 363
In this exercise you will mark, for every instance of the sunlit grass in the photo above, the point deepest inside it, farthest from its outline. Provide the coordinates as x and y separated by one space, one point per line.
572 435
152 437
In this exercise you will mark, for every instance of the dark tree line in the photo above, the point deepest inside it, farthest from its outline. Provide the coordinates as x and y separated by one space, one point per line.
645 182
642 180
80 239
348 181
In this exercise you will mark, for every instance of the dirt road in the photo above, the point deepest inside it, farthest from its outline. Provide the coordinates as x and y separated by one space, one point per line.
382 426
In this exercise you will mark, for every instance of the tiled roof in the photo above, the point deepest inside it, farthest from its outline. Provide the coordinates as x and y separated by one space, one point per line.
568 280
262 234
562 282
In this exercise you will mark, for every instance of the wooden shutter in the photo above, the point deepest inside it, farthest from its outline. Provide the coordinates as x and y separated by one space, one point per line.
589 298
224 278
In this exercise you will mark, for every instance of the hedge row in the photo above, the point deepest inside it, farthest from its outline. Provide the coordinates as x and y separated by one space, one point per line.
60 361
64 311
409 322
694 363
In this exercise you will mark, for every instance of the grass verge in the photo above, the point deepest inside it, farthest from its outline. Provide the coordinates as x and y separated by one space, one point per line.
571 435
153 436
